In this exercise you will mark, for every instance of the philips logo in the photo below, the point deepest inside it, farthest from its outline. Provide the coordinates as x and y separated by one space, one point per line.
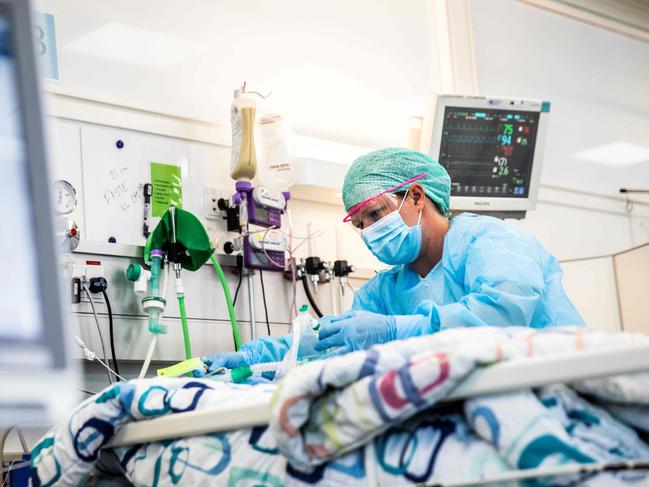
481 203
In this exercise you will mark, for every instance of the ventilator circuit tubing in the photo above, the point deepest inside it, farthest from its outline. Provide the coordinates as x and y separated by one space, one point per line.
228 300
309 296
154 338
183 320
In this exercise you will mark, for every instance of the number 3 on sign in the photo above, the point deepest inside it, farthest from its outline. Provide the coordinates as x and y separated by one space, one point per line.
45 45
41 47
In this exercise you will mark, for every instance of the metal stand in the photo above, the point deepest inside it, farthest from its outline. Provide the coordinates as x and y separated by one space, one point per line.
251 305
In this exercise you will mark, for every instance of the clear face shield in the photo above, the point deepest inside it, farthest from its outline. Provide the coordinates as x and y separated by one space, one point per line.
373 209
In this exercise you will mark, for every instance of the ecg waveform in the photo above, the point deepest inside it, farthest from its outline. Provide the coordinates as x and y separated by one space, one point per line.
471 139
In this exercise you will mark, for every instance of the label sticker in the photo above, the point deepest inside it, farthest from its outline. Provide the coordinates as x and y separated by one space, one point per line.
167 188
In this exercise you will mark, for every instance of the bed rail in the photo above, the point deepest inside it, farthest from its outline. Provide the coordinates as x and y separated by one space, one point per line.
501 377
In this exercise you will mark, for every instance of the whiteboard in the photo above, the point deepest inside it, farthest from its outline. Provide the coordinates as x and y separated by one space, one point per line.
113 179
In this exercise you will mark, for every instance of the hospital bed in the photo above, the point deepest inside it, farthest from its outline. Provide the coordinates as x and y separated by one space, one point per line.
516 374
503 377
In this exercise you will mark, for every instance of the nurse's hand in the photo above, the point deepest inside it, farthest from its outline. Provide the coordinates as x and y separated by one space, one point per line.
265 349
355 330
229 360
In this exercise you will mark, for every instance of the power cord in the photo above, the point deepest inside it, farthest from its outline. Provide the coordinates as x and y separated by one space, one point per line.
111 331
263 294
101 337
99 285
240 267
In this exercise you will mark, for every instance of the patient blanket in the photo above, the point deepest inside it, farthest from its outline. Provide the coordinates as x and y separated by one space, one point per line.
368 417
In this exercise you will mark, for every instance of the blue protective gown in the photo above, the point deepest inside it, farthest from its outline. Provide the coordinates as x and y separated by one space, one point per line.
491 273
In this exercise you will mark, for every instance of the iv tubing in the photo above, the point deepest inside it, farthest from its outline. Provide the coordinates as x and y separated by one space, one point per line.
154 338
183 319
228 300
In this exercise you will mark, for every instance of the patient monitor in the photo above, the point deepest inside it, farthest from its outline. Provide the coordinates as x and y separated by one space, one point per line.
491 147
37 379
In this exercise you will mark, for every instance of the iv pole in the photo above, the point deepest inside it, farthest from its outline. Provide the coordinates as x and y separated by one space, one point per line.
251 304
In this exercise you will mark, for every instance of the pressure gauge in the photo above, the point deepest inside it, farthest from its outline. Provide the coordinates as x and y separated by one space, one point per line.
65 197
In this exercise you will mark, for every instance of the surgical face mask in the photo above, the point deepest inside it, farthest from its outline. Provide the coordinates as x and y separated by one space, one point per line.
391 240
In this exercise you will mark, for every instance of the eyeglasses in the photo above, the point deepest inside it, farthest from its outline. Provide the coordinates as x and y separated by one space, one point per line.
373 209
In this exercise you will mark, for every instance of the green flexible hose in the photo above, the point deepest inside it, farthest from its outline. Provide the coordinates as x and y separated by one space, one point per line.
183 319
228 300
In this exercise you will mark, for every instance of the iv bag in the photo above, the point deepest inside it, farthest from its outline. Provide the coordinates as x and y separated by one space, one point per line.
277 165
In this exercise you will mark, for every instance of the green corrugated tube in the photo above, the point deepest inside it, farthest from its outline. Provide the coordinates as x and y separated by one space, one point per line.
183 319
228 300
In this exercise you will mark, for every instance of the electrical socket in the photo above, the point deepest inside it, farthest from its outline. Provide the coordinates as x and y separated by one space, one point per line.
212 196
86 271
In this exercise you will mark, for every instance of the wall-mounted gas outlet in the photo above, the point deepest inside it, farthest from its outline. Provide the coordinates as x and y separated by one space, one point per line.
212 196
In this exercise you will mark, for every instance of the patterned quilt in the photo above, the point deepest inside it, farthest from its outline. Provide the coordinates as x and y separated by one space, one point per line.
372 417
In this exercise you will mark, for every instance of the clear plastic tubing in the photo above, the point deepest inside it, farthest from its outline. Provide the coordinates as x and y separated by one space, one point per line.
156 304
240 374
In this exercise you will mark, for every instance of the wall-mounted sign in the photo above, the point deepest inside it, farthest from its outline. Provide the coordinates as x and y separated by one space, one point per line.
45 44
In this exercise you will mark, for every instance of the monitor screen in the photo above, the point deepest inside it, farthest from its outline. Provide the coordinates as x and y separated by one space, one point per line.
22 333
488 152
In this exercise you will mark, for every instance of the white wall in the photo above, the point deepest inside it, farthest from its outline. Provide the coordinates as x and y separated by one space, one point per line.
595 79
341 70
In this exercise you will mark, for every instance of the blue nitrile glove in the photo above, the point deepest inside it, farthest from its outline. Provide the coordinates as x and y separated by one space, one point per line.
359 330
229 360
266 349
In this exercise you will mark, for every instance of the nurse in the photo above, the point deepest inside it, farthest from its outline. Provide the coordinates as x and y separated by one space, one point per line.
467 271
